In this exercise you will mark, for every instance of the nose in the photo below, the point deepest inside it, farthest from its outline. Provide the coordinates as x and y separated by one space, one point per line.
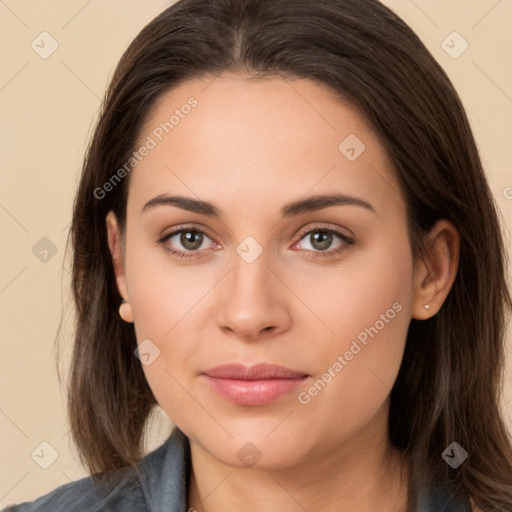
253 303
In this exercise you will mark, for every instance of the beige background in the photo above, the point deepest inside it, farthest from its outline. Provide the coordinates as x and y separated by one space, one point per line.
48 108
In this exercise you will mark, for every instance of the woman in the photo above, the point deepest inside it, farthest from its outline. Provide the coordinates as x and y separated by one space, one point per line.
284 237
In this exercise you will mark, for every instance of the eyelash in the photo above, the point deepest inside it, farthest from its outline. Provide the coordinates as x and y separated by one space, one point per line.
347 241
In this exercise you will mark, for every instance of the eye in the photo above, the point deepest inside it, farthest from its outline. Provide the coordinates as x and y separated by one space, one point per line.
324 241
186 242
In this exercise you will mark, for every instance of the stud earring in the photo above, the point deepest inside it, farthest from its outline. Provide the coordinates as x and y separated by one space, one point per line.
125 311
427 306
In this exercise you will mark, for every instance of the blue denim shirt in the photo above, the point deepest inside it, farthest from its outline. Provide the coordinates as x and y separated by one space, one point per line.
158 484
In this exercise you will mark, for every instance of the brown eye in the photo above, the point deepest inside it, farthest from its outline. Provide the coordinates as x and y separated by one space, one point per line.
191 240
185 242
323 242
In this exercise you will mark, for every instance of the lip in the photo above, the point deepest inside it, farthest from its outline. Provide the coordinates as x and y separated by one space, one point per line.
255 385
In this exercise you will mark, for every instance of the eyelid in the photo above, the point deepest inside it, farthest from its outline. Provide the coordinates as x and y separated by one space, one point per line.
184 227
324 226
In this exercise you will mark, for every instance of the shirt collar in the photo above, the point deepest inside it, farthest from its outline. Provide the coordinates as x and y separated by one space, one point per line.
164 474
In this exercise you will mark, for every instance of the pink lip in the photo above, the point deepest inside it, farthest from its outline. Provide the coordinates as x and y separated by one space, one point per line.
256 385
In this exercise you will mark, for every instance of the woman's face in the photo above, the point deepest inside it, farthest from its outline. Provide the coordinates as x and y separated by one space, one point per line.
263 276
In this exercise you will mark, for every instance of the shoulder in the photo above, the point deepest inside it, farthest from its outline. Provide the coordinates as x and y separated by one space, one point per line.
160 477
444 499
87 495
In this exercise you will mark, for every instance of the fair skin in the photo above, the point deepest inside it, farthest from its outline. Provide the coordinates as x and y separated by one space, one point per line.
250 147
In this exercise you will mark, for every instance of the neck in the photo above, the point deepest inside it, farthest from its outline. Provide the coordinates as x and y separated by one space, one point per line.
364 473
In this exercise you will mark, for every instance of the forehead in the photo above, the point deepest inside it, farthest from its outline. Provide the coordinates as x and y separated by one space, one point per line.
222 138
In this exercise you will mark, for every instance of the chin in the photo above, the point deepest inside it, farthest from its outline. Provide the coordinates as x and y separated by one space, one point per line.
261 444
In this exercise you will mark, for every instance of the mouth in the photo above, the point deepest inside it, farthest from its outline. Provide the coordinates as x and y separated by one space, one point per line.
260 384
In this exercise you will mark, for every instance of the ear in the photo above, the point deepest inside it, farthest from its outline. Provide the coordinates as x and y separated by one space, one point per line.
433 278
116 250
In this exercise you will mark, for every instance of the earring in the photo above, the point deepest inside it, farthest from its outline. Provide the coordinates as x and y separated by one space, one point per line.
125 311
427 306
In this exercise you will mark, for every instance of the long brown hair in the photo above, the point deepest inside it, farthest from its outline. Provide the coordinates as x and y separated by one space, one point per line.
448 387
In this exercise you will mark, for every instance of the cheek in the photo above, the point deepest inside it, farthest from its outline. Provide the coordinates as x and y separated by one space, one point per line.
164 298
162 291
170 388
366 289
167 301
370 317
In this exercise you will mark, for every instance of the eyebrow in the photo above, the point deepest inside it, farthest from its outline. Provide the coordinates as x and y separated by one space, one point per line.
309 204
